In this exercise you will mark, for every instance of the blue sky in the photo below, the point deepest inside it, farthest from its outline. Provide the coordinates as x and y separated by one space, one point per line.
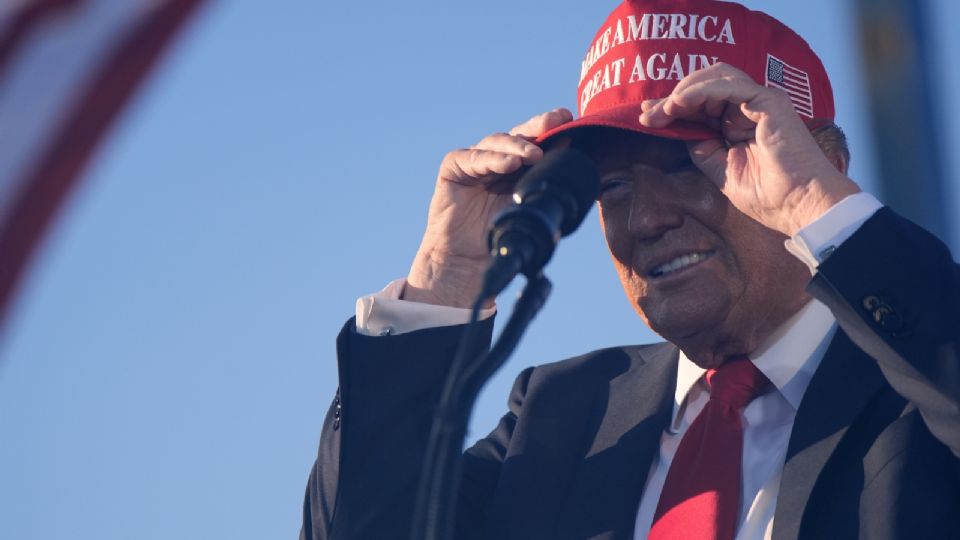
166 369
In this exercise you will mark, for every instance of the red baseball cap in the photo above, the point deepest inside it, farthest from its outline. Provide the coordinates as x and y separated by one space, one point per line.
646 47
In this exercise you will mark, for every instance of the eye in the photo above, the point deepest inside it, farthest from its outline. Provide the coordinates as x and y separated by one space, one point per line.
613 189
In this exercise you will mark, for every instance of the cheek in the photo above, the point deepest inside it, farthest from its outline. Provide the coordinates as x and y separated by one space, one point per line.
759 251
706 201
777 275
635 288
774 280
621 252
615 233
712 201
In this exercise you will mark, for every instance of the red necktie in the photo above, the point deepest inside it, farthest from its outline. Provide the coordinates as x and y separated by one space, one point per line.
701 496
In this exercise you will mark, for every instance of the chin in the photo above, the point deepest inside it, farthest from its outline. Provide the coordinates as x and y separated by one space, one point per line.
709 361
691 315
702 330
709 357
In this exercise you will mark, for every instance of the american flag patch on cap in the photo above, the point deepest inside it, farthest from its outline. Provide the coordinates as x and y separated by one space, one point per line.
793 81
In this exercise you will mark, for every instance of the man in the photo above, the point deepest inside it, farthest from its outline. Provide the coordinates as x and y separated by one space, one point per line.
781 406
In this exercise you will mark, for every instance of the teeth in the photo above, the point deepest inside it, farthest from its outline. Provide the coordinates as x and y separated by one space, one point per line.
680 262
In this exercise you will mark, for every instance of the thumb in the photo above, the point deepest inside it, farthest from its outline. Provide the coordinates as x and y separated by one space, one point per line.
710 157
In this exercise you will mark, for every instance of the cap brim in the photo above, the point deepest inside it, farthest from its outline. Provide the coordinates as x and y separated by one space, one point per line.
628 117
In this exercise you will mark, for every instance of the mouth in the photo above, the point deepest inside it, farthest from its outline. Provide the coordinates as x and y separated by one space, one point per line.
680 263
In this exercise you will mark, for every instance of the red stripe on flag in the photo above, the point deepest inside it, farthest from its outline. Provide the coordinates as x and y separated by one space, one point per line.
73 144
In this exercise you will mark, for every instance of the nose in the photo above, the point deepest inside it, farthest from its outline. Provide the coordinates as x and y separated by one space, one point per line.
654 208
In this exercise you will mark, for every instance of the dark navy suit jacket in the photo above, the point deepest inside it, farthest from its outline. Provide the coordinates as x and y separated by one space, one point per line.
869 455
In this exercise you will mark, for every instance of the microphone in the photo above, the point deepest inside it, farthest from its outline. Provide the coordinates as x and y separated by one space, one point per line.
552 199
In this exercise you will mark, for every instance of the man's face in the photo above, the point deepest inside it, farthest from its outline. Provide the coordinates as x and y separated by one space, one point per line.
697 270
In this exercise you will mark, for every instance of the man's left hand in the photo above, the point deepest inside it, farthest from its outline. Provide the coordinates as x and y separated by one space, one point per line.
767 163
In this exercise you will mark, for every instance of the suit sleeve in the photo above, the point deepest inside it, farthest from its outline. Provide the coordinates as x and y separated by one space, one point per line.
364 481
895 290
481 467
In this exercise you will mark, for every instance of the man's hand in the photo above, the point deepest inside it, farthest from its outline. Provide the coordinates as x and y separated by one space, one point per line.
768 164
472 186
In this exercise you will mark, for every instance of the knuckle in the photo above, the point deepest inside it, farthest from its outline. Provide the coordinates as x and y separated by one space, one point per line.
539 123
454 155
556 115
498 136
475 156
519 129
452 160
450 167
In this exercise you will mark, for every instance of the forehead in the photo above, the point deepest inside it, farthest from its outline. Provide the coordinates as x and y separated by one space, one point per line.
612 147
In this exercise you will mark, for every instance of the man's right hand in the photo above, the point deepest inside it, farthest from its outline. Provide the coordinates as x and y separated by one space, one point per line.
472 186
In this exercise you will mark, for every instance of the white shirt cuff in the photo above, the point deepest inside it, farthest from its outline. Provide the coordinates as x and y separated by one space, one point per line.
818 240
385 314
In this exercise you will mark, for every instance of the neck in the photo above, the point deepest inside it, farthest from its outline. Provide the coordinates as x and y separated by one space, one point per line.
733 338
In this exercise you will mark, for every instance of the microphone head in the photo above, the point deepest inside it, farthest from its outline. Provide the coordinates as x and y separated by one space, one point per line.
565 173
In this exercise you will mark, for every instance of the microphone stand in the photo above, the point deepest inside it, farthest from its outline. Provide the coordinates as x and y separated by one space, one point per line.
433 517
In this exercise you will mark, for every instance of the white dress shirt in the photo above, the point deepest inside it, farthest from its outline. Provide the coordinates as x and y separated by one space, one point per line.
788 358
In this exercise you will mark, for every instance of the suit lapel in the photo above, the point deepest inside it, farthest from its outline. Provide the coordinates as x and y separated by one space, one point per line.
626 427
841 387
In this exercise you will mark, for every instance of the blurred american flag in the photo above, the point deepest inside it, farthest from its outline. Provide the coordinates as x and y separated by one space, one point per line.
67 67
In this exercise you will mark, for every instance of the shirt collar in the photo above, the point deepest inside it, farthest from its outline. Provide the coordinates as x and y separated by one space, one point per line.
788 357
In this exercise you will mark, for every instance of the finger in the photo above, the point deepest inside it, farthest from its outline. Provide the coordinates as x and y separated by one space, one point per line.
741 123
701 151
648 104
510 144
738 127
772 100
472 166
712 110
720 70
542 123
703 119
694 99
710 157
715 108
710 95
715 71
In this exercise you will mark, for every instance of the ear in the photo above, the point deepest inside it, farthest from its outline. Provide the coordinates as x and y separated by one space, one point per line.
839 161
